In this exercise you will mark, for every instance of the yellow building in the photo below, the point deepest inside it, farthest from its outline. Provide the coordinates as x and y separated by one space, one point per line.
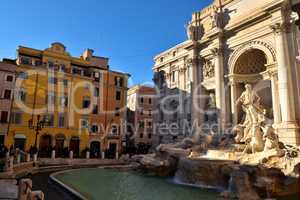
80 101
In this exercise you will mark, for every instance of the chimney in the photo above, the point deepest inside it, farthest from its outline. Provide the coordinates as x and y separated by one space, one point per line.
87 54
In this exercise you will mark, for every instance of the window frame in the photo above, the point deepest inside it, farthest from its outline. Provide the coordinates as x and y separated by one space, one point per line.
9 75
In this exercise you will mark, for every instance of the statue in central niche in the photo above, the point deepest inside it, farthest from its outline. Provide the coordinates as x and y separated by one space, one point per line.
251 130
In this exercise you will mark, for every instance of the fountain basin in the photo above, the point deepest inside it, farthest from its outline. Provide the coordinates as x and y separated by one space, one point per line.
97 184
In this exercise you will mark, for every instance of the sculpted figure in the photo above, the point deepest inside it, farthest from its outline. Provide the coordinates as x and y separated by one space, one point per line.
251 105
191 31
250 131
215 18
212 101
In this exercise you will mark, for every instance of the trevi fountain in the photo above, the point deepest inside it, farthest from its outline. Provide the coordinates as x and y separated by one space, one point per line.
244 58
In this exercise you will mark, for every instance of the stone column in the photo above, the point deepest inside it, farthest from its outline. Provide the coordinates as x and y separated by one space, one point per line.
220 88
196 84
234 97
288 129
275 100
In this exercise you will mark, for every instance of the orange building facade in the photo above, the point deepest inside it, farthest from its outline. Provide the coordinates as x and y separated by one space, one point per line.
78 99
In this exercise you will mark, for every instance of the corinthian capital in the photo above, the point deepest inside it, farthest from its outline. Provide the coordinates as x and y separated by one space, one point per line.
279 28
216 51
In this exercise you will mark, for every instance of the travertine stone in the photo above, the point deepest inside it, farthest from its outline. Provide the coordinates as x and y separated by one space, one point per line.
247 43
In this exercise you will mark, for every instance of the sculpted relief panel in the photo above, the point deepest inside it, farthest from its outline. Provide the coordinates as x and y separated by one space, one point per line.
208 70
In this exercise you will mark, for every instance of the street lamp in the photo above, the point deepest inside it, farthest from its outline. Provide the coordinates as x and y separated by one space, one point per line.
40 124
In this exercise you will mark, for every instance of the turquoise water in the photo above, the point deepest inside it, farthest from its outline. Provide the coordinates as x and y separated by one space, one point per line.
101 184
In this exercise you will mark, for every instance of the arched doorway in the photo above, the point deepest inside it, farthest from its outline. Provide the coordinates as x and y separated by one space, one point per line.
45 146
250 68
59 145
95 149
75 145
111 151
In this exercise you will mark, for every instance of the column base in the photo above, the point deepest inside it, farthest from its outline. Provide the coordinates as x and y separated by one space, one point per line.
289 133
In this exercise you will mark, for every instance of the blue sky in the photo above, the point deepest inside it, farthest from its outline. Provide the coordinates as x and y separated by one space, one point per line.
129 32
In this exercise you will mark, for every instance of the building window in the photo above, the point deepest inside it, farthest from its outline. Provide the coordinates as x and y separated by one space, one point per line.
84 123
62 68
25 60
96 92
150 113
118 95
9 78
87 73
149 136
51 99
94 129
7 94
173 76
142 124
21 95
4 117
142 112
65 82
52 80
16 118
142 100
150 124
64 101
50 65
76 71
50 120
86 102
97 76
118 81
95 110
141 135
117 112
114 130
150 101
23 75
61 121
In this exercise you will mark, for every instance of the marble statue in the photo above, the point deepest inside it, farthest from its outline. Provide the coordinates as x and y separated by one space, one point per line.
253 131
191 31
159 79
215 18
212 101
